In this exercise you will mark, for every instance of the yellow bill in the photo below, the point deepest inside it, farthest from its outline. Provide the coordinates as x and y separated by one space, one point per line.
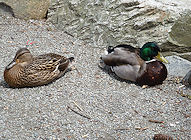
161 58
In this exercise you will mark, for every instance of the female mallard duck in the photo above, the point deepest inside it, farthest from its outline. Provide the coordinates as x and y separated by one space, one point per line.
28 71
130 63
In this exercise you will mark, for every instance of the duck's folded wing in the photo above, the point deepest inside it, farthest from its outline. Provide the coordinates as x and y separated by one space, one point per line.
37 77
121 57
47 63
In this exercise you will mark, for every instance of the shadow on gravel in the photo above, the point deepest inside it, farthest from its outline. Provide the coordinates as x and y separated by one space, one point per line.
4 84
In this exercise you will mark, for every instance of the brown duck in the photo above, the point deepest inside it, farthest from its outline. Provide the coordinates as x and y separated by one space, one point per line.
28 71
137 65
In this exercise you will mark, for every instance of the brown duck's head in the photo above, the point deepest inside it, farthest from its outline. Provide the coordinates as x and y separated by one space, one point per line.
23 56
156 73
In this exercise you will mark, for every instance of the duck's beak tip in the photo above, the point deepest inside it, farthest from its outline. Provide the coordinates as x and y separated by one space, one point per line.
161 58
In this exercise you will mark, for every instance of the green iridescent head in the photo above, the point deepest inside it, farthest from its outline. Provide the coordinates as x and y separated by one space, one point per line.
150 50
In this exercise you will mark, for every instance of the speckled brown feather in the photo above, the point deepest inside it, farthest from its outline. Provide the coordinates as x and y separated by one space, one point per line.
155 74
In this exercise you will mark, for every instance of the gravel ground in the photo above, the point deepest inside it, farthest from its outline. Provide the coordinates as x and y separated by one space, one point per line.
87 103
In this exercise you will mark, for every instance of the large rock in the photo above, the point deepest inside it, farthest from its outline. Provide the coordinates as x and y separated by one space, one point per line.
180 33
25 9
178 66
110 22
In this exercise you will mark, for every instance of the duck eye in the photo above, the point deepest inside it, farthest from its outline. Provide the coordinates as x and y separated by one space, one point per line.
17 61
54 60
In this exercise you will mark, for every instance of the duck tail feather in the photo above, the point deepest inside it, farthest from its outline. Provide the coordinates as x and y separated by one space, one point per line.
110 49
64 62
71 59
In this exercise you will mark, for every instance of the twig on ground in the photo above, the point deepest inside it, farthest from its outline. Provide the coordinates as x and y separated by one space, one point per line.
87 117
138 128
74 68
85 136
122 129
156 121
136 111
163 103
77 106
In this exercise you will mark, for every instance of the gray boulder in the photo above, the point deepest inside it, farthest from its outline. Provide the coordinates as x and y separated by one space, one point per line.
178 66
109 22
180 33
24 9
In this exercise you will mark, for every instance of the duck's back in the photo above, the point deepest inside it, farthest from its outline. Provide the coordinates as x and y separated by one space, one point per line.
45 69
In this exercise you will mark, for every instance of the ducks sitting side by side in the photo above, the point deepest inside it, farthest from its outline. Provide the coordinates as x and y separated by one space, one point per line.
137 65
28 71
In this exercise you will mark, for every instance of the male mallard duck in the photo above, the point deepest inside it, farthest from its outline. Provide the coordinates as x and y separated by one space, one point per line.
28 71
187 79
130 63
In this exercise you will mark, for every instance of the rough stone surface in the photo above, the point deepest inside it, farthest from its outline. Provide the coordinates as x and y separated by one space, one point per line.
25 9
178 66
117 109
110 22
180 31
